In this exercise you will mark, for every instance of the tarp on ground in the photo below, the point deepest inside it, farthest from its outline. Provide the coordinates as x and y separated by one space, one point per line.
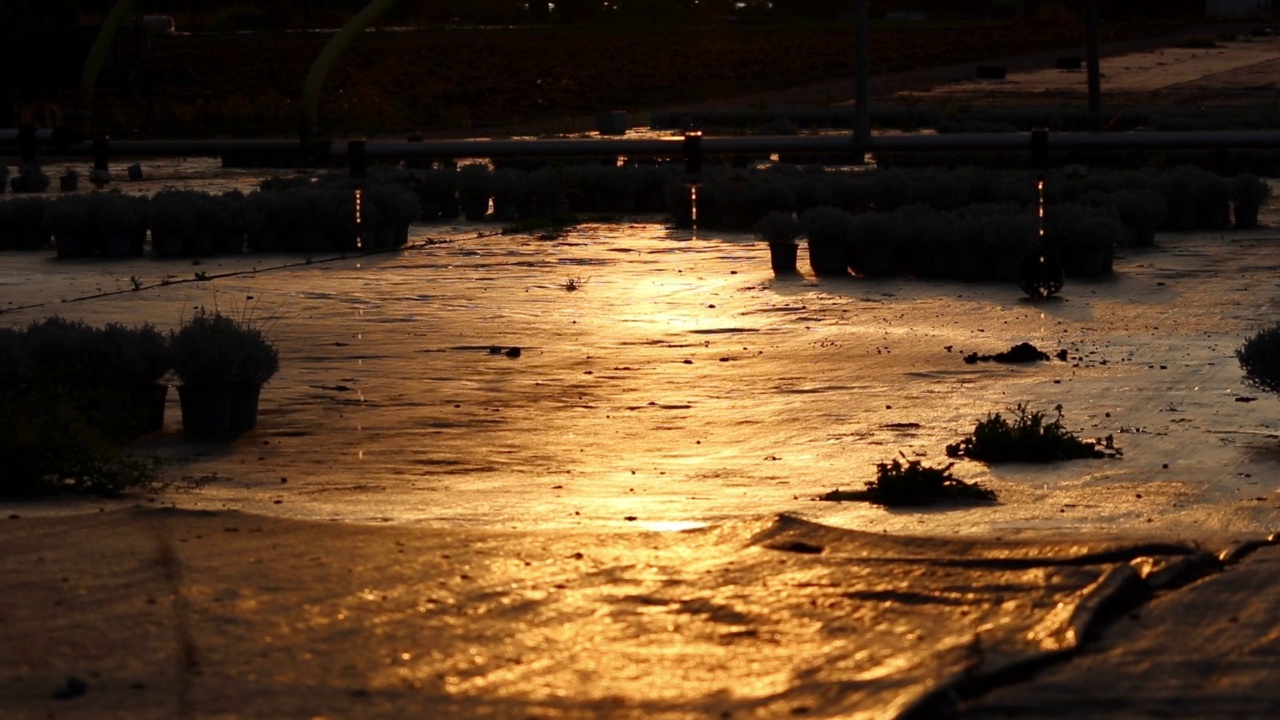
179 614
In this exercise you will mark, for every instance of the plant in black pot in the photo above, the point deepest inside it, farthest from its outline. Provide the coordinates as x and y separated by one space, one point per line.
70 220
221 364
30 179
510 188
173 217
1213 202
830 234
129 402
475 185
1085 237
878 240
22 225
69 181
268 208
780 230
1141 211
396 208
1178 187
310 213
1248 192
116 219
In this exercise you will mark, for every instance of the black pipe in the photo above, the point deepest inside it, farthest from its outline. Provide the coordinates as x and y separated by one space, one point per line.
676 147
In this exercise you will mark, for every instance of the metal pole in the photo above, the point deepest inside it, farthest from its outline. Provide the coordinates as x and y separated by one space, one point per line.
862 124
324 62
97 57
1095 73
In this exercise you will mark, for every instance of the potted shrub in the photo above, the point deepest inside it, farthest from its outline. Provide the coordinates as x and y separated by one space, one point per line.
1141 211
780 230
1179 190
546 196
116 219
877 242
268 209
221 364
1085 238
437 191
131 361
475 186
830 234
1248 192
395 208
729 202
624 185
1213 202
232 217
22 225
928 247
30 179
173 216
309 214
70 220
69 181
510 186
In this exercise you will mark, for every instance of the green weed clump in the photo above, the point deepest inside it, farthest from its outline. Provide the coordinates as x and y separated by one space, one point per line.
1029 437
912 484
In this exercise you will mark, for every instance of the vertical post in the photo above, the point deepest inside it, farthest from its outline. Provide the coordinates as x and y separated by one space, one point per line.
308 112
862 102
693 155
101 155
97 58
1095 72
359 171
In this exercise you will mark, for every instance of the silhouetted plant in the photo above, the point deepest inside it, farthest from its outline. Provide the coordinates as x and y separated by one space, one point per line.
779 228
899 484
1259 357
1030 437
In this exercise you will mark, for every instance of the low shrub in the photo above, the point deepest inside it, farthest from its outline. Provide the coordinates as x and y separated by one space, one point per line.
913 483
1030 437
62 376
1259 358
778 228
50 448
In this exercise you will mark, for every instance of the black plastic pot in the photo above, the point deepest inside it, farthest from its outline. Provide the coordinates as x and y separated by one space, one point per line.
782 258
244 408
131 412
829 259
206 412
1246 217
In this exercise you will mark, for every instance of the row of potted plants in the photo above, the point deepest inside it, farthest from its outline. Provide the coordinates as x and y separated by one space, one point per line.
114 376
1186 198
978 243
191 223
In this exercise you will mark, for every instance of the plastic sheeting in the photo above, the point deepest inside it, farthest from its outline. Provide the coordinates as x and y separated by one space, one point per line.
165 613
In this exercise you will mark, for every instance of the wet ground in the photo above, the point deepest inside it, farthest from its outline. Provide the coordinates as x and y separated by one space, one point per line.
667 379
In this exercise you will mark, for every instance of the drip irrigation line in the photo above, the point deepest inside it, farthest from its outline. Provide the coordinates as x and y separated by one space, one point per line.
206 277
